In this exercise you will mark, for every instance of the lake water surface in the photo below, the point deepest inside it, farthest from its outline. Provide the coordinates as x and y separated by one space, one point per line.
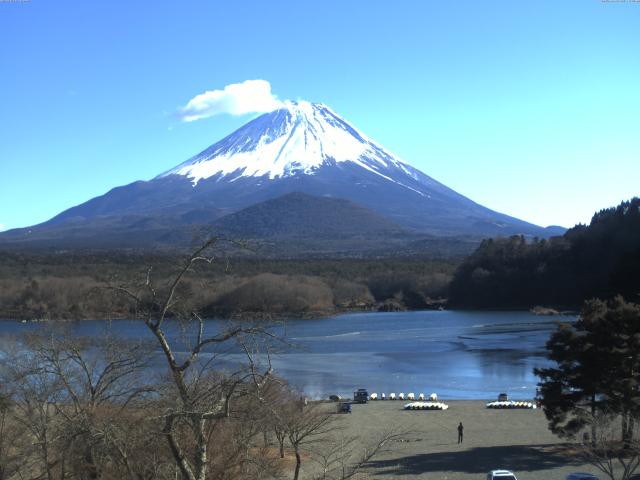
458 354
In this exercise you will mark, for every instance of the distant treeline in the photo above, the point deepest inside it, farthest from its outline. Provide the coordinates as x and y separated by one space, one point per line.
72 285
599 260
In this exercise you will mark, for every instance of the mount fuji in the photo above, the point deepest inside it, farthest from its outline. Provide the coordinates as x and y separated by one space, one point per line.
302 147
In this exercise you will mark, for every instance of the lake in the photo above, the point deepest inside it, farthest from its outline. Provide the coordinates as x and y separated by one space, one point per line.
457 354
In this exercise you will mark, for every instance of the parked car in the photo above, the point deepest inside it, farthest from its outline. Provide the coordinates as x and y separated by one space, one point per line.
361 396
501 475
344 407
585 476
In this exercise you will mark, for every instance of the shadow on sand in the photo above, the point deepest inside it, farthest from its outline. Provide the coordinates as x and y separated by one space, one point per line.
480 460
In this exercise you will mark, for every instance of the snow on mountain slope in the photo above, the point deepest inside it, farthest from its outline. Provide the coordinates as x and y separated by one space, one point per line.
298 139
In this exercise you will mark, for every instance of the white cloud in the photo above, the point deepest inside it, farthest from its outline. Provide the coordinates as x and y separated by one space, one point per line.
2 227
250 96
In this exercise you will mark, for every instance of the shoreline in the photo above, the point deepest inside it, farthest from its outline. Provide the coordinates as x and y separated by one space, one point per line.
314 315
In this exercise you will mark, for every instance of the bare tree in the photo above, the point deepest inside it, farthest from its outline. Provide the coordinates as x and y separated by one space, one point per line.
277 402
33 392
306 427
71 396
12 438
200 402
617 458
343 458
98 378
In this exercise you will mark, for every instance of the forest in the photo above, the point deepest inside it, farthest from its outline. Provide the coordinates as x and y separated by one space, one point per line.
79 285
599 260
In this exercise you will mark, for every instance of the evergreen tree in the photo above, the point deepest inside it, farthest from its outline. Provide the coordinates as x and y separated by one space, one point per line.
618 324
597 368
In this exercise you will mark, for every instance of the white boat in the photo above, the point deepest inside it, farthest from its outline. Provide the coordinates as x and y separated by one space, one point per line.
426 406
511 404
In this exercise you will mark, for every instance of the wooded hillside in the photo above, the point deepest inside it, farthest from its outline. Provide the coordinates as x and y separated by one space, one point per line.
598 260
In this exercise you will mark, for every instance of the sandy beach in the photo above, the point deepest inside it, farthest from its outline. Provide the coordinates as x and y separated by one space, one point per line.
516 440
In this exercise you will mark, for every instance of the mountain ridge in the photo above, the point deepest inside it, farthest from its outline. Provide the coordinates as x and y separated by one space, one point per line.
300 214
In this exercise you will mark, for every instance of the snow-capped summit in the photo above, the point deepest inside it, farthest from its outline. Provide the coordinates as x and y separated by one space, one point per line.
297 139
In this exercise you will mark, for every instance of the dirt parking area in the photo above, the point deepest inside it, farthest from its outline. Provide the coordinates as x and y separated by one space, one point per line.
516 440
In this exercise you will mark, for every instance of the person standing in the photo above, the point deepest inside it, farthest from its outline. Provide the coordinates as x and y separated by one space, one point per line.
460 432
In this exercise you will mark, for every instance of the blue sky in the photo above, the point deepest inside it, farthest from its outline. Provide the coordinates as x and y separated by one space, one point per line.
530 108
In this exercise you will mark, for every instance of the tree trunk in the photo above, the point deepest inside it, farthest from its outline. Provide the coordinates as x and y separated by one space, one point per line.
201 445
627 428
181 462
298 462
90 465
281 448
45 455
593 421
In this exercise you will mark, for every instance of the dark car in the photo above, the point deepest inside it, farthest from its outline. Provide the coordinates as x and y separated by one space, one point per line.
361 395
344 407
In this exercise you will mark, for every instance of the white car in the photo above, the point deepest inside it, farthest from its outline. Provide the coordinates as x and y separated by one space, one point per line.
501 475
